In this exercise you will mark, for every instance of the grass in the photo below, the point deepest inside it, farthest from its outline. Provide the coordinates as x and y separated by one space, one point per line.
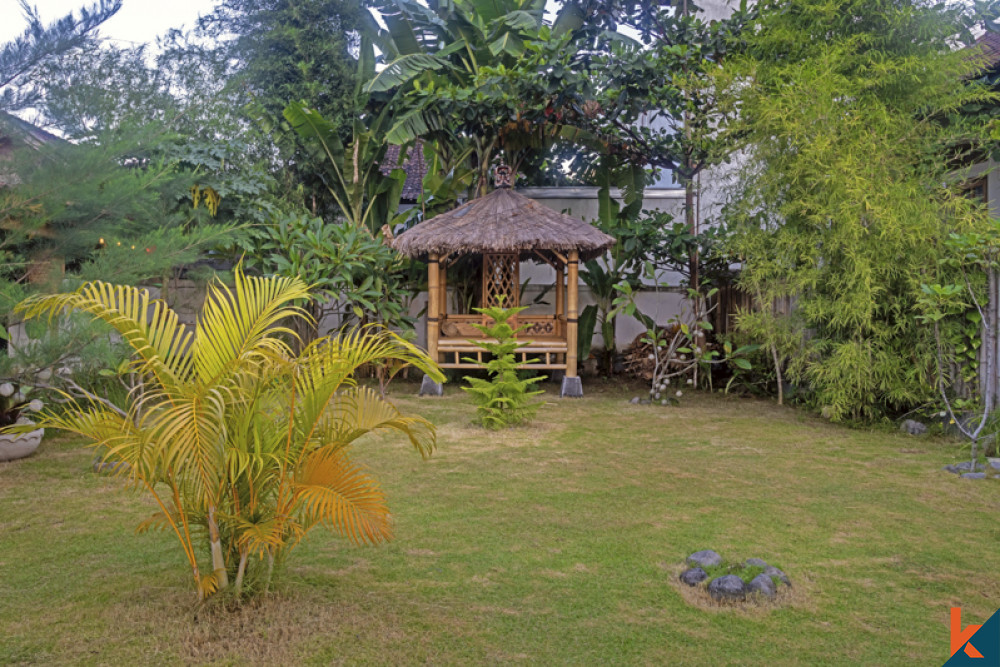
550 544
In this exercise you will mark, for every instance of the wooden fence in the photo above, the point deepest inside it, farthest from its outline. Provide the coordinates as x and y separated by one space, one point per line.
730 299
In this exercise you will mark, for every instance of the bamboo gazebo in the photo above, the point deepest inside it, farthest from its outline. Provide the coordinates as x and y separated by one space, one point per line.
504 228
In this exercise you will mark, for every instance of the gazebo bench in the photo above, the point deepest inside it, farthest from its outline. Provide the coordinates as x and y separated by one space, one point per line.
548 352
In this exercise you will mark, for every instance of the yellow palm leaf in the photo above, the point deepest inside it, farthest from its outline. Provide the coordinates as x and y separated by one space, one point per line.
329 489
262 536
243 323
158 521
151 328
208 585
361 411
329 364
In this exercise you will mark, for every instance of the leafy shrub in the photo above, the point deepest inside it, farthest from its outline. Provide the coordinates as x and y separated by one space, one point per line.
504 399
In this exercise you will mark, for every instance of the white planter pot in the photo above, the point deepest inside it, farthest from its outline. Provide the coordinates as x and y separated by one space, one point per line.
17 446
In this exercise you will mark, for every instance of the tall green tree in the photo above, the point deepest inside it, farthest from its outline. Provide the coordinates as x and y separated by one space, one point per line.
274 52
282 51
853 117
23 57
659 104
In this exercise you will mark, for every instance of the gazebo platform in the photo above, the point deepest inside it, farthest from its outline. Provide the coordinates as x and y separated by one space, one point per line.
505 228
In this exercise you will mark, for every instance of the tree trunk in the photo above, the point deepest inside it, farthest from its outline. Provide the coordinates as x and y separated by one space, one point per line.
992 340
218 560
777 372
692 224
270 569
244 552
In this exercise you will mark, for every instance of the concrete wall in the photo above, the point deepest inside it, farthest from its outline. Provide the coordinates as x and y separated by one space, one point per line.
582 202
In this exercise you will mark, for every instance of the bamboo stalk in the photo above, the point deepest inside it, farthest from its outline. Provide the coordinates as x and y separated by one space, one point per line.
433 308
560 292
443 297
572 297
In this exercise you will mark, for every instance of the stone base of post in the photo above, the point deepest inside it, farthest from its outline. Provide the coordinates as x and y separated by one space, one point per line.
572 387
429 387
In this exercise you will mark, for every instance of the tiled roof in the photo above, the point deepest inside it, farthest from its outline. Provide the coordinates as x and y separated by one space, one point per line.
414 165
990 45
15 132
12 127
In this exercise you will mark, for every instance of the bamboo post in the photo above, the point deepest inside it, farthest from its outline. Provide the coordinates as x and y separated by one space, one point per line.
571 314
429 386
433 306
560 295
571 385
443 298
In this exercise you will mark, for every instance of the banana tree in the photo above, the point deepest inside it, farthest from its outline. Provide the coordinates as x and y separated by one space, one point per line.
367 197
466 73
635 235
234 436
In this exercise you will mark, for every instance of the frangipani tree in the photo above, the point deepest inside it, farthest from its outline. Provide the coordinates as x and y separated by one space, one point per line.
237 439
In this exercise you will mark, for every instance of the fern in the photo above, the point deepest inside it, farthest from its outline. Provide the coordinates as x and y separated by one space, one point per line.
504 399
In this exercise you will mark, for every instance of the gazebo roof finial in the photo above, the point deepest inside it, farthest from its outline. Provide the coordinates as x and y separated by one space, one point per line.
502 176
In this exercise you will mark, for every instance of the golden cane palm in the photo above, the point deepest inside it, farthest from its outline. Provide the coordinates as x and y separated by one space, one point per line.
241 442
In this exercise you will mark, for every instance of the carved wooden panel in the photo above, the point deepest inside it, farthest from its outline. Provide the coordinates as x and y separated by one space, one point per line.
501 277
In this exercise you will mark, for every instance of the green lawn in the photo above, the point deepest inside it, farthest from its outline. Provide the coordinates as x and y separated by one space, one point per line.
558 543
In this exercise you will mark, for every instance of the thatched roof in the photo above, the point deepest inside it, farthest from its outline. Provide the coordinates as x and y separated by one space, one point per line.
501 222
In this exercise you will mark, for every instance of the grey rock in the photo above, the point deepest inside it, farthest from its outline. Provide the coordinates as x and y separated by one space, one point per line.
973 475
705 558
964 466
913 427
694 576
755 562
772 571
728 587
645 401
635 400
762 585
994 463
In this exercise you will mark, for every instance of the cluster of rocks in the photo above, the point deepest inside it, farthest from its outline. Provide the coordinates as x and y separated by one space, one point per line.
965 469
913 427
732 587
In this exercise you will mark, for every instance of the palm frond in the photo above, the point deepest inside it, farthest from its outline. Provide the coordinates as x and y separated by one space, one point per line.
361 411
158 521
329 364
330 490
120 439
192 436
150 327
242 324
260 537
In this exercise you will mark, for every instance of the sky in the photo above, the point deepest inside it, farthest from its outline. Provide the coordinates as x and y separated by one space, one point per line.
138 21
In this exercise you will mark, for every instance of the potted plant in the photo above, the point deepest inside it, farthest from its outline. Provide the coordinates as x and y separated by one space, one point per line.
14 408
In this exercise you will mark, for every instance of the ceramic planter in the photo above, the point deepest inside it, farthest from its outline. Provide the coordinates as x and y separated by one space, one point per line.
15 446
